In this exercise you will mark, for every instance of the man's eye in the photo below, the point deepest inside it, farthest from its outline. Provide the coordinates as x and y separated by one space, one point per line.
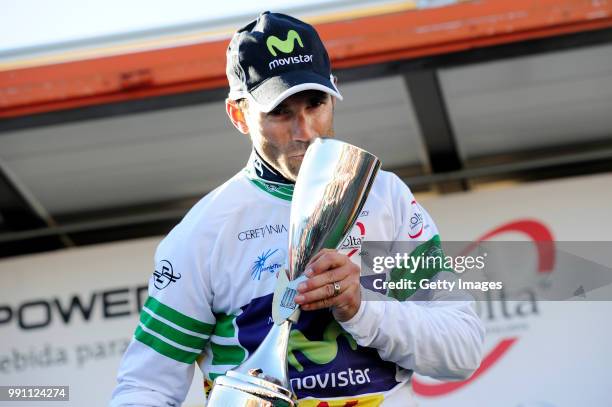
317 102
278 112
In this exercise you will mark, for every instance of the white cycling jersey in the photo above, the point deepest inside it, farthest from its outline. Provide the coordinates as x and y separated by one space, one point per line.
211 293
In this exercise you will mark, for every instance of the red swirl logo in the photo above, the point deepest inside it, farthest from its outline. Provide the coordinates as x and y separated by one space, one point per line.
543 239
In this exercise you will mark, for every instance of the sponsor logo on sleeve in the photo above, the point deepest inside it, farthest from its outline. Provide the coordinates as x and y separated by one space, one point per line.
164 275
415 221
354 240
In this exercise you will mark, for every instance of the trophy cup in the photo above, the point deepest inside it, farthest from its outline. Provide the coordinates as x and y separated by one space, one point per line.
331 188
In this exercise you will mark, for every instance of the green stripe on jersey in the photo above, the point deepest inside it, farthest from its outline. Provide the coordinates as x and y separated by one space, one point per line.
213 376
164 348
171 333
280 191
225 325
227 354
176 317
431 248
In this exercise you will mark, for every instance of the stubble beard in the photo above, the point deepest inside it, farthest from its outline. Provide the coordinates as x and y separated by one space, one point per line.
293 168
293 164
288 167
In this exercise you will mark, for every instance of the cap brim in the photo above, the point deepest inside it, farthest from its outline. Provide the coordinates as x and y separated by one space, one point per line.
274 90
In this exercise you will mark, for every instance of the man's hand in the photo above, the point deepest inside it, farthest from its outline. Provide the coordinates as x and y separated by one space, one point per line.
333 281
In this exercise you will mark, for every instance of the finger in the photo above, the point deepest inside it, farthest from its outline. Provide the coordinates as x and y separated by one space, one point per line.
349 283
318 255
317 294
328 260
325 278
344 298
321 304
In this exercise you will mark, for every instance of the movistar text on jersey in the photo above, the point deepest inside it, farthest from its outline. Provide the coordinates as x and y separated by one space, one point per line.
343 378
299 59
413 263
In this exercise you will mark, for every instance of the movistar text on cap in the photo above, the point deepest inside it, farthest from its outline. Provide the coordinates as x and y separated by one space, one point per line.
299 59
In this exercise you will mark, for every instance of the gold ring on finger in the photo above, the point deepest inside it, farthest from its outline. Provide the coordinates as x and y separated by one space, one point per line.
336 288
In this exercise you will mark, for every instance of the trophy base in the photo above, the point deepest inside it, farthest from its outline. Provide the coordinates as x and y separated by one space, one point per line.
239 390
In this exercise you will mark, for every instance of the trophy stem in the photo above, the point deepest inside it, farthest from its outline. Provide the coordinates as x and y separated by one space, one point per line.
270 358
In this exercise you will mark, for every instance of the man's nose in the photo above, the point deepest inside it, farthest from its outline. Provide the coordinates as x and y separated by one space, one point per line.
303 127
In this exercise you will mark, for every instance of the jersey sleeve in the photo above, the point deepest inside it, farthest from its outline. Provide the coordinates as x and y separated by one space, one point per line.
436 334
175 324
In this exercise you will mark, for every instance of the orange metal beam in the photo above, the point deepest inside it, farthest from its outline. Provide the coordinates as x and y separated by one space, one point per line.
354 42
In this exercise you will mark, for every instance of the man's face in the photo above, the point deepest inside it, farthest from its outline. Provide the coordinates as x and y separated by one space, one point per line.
282 136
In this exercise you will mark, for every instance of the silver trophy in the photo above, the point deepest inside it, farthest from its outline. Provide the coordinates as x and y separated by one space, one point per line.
331 188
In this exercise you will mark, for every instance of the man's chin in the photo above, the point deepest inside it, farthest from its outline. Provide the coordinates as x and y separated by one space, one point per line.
292 170
293 175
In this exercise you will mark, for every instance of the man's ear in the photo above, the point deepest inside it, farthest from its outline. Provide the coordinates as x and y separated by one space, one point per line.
236 116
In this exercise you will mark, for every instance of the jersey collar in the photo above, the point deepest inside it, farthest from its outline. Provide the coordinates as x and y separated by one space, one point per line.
266 178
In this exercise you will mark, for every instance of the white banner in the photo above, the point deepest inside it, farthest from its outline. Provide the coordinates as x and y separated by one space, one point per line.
67 316
538 354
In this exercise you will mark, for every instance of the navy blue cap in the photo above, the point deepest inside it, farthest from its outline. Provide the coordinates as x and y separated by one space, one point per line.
274 57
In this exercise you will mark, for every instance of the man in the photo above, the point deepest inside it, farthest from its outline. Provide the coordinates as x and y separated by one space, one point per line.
211 294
